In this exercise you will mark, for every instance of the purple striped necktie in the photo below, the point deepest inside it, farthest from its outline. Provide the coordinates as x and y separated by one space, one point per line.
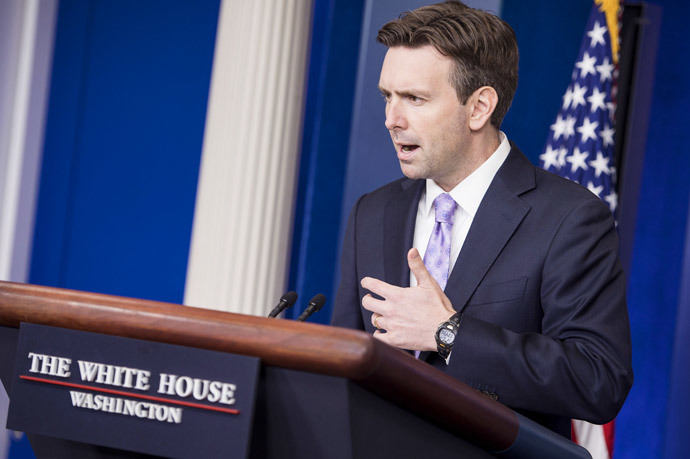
437 256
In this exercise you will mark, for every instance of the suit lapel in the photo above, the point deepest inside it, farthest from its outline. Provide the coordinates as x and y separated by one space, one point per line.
398 226
497 218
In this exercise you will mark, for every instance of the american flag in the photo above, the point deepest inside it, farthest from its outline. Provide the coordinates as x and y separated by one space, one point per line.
580 142
580 147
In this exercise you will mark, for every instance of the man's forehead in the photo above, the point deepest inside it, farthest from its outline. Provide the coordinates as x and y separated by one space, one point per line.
405 67
426 53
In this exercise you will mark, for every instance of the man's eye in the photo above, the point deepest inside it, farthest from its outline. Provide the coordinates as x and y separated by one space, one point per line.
414 99
385 96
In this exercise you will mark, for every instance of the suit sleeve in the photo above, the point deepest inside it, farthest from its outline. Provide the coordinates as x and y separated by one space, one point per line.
580 364
346 310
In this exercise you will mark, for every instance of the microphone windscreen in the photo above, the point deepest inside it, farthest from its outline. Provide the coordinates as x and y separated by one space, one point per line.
319 300
289 297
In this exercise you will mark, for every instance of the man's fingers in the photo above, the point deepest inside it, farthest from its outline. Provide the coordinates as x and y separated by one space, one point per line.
379 287
372 304
384 337
416 263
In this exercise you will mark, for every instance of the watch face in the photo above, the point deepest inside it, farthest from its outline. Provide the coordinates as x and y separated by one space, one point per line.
446 336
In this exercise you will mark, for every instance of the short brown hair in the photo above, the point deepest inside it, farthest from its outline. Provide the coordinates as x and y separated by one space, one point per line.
482 45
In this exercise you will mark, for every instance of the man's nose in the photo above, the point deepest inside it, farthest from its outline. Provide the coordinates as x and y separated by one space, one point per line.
395 115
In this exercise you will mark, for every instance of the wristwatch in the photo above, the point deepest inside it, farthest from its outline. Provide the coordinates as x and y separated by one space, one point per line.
445 335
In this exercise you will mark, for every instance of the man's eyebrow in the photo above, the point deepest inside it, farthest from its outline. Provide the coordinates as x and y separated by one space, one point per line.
407 92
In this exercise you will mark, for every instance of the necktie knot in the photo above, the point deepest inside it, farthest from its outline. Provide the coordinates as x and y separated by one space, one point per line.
444 205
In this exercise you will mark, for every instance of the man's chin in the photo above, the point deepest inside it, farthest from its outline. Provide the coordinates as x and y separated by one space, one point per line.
410 171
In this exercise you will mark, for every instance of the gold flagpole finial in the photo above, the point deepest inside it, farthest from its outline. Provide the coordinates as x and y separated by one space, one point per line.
611 8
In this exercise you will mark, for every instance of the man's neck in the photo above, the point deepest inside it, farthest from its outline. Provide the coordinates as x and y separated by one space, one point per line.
479 150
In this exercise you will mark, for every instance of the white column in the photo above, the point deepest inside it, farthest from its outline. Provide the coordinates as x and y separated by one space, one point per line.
243 216
26 48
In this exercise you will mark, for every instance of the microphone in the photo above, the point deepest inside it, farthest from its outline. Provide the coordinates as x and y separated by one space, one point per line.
286 301
315 304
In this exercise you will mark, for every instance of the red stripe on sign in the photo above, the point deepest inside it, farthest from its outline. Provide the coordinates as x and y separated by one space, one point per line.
129 394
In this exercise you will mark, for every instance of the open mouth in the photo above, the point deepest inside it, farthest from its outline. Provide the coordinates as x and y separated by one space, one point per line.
407 152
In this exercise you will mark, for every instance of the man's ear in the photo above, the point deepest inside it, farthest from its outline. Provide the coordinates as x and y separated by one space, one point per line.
482 104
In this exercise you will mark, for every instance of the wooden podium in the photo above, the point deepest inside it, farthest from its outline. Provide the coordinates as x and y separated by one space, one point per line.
323 392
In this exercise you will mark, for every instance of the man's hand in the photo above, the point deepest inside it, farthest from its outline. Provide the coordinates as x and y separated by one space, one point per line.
411 315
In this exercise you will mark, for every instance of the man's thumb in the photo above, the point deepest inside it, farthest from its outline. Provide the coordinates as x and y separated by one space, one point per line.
416 263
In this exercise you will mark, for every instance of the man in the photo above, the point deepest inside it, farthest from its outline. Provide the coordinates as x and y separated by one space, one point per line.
519 293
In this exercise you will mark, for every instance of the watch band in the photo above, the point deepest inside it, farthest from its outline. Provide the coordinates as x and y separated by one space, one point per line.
456 318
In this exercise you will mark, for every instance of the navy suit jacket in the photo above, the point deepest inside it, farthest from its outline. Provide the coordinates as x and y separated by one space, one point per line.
545 325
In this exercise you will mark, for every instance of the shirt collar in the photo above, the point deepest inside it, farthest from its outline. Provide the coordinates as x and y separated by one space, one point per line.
470 192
